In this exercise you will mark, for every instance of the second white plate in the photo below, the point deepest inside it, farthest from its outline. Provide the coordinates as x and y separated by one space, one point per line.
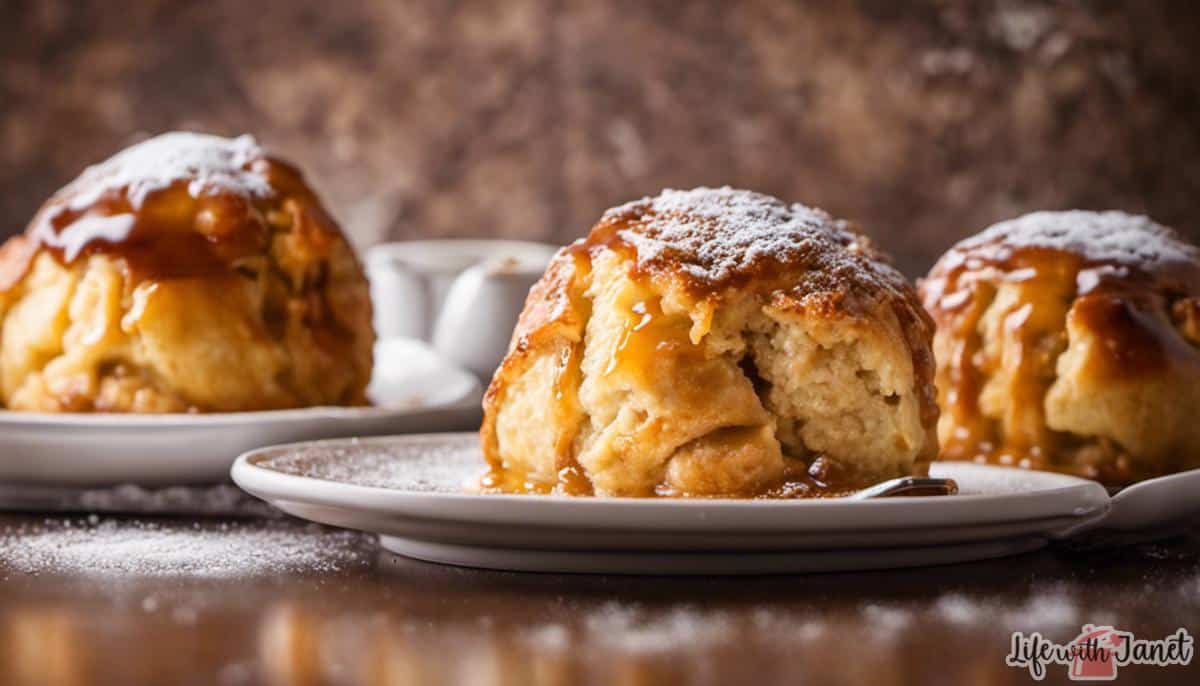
413 390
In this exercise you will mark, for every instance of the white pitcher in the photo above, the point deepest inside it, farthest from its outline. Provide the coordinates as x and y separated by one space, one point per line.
461 296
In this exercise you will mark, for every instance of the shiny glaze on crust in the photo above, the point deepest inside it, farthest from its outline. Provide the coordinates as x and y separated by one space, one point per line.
709 242
713 240
1131 282
556 300
211 214
177 206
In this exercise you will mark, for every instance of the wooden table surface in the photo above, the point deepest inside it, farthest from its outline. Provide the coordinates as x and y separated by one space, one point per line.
212 601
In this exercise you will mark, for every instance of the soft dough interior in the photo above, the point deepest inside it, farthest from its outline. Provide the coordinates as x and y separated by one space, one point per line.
677 397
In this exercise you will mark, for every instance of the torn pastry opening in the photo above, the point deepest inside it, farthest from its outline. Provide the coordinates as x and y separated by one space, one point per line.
713 343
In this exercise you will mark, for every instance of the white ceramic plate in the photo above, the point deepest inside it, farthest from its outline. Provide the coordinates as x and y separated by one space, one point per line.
412 490
413 390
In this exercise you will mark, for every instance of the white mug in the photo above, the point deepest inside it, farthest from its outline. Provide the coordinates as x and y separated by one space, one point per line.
462 296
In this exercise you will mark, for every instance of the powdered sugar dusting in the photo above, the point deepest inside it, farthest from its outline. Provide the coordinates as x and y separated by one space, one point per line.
722 231
715 234
1099 237
442 464
1050 609
220 499
217 499
207 163
134 548
631 629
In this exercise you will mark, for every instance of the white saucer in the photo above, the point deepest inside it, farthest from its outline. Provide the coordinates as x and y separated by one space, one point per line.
412 491
413 390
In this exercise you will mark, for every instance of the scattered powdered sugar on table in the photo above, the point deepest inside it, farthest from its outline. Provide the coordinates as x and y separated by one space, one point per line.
1048 609
221 499
438 465
632 629
210 500
887 620
548 637
789 627
1190 592
956 608
140 548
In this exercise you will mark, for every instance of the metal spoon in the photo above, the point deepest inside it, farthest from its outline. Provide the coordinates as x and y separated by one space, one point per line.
908 486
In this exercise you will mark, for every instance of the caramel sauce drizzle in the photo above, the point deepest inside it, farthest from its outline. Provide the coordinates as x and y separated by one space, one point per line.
648 332
176 231
185 213
570 477
823 478
1126 309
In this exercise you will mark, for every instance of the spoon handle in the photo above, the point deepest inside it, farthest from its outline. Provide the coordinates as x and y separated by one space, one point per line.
908 486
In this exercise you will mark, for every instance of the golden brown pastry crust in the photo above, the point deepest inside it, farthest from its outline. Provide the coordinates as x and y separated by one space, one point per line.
187 273
1067 341
694 270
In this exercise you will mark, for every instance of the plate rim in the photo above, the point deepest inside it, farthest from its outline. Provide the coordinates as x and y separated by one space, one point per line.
708 563
117 421
1091 498
182 420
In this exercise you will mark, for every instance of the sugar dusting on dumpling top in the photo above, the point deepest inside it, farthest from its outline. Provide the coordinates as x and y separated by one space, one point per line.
724 237
179 204
1110 252
207 163
716 233
1115 241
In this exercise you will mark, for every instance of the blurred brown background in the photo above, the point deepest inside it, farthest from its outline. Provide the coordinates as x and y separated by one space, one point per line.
925 121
